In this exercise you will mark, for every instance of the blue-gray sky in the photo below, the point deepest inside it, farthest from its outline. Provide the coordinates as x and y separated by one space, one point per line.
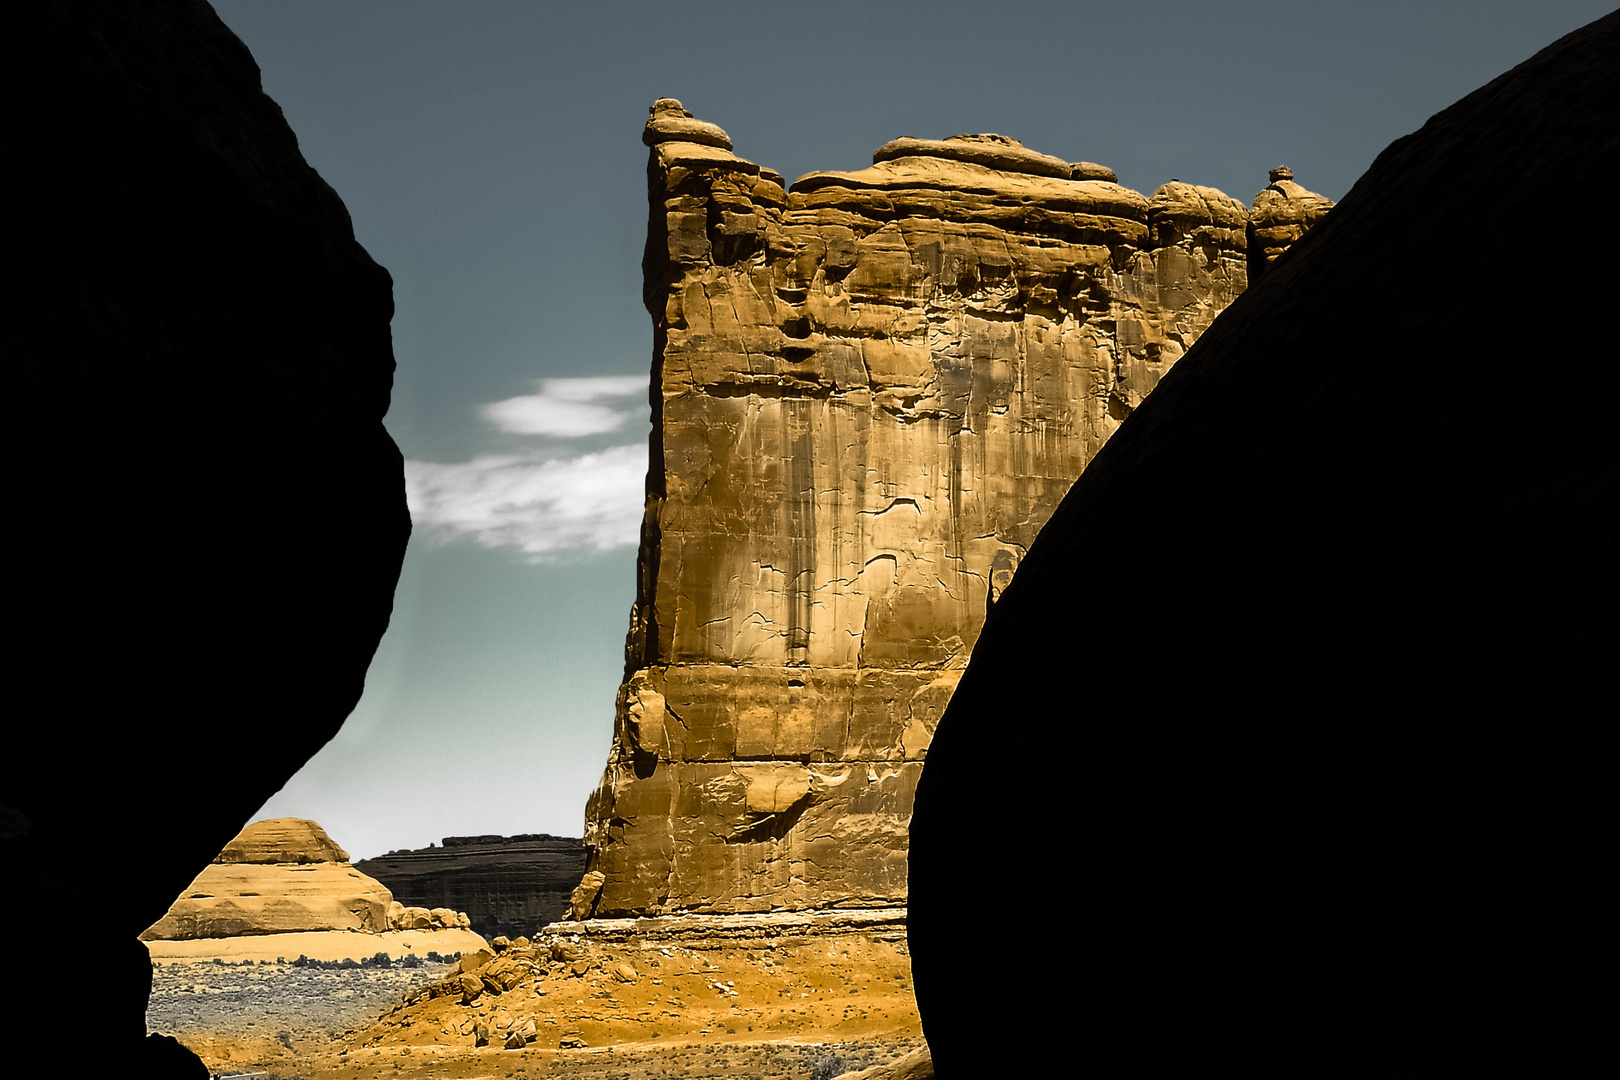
490 156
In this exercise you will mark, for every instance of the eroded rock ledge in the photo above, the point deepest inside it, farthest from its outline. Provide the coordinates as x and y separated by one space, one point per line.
871 389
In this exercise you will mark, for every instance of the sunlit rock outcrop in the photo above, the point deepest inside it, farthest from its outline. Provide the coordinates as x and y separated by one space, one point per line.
509 885
279 876
870 391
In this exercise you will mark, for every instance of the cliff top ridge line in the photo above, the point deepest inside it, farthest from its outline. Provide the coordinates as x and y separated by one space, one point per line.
998 164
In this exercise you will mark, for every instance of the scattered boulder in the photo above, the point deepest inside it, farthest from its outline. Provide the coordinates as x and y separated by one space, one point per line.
474 960
503 974
567 951
401 917
583 901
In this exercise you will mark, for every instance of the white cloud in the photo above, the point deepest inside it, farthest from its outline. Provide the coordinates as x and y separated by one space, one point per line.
572 407
545 507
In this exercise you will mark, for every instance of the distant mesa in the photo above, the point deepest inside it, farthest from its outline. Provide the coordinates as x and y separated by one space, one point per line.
510 885
284 876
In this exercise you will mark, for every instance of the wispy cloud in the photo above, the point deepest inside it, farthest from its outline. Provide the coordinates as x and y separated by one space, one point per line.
569 407
548 501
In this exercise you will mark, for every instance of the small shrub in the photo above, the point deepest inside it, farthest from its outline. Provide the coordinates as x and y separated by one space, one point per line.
828 1065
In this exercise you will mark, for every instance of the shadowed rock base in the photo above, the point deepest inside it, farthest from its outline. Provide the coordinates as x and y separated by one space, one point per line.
1333 801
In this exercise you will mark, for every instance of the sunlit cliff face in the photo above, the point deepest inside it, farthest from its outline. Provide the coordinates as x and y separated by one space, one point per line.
871 392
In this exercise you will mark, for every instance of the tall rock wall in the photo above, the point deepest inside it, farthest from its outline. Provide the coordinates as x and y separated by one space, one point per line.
870 391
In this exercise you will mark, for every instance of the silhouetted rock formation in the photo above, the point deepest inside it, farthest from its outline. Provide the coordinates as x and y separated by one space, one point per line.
509 885
1318 775
208 514
869 392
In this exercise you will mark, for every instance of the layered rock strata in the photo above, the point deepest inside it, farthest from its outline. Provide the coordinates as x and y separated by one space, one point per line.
870 390
1328 786
283 876
1280 215
212 515
505 884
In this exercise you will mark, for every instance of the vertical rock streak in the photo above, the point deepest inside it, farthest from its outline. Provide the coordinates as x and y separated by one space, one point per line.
870 391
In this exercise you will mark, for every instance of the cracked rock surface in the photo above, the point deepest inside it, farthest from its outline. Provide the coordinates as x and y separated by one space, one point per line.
870 391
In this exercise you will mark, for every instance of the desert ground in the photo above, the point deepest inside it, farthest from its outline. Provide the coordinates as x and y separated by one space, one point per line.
805 1007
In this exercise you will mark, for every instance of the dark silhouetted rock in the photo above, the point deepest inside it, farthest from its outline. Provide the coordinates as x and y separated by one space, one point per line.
507 885
1294 709
208 516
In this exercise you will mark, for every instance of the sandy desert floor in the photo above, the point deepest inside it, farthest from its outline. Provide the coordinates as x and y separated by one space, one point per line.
783 1007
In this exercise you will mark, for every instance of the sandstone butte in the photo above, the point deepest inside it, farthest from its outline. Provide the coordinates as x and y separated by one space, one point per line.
870 391
286 876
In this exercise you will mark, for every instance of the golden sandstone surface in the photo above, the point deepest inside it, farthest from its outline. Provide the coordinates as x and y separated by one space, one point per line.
870 391
287 876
